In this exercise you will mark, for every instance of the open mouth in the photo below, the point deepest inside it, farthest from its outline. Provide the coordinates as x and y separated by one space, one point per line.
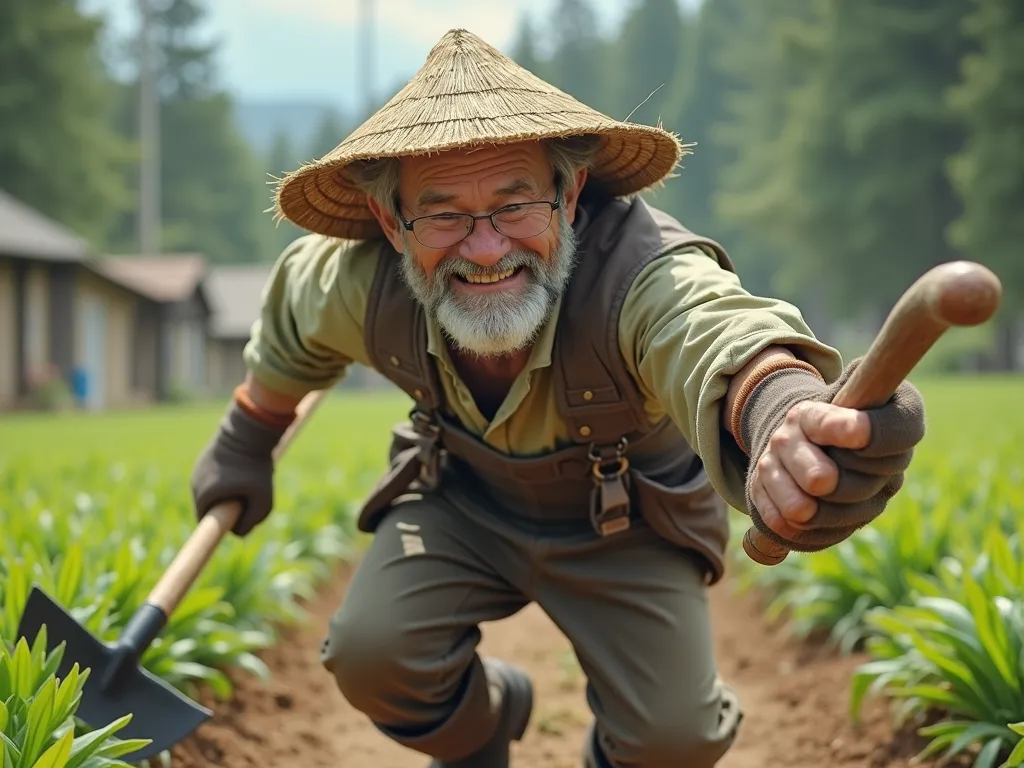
493 277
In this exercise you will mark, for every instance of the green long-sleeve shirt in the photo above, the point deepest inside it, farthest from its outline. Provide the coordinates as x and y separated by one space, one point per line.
686 325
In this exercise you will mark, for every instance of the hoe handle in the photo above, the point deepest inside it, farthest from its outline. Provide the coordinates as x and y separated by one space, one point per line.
960 293
214 526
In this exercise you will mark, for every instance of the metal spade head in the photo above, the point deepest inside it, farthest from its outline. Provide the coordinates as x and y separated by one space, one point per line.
117 685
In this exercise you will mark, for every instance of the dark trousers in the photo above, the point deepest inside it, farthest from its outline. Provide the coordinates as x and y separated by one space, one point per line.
402 646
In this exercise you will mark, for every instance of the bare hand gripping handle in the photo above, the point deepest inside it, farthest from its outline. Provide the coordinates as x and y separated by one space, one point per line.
957 293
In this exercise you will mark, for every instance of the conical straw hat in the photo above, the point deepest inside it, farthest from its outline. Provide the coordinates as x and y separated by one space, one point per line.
468 93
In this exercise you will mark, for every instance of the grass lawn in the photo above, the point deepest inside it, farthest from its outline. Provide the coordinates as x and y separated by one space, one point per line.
356 424
350 425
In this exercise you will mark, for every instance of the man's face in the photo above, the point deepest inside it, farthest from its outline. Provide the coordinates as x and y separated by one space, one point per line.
490 292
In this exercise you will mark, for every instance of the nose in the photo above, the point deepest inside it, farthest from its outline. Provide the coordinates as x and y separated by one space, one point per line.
484 245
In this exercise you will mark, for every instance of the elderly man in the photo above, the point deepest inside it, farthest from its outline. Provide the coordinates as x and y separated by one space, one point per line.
592 389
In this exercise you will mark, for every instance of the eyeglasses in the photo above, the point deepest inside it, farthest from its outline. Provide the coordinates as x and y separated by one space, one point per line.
518 221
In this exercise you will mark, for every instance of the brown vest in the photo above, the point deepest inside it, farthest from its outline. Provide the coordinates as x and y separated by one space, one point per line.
618 469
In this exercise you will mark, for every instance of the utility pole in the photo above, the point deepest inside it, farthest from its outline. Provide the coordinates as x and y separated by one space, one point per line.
149 135
366 54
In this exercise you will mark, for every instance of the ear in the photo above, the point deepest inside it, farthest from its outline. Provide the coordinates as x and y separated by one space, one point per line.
388 222
571 195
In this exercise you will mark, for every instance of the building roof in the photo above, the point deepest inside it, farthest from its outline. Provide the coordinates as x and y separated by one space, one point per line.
27 233
235 293
168 277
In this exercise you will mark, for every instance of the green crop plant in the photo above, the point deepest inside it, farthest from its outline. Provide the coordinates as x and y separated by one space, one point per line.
954 493
932 593
37 724
956 652
99 539
94 508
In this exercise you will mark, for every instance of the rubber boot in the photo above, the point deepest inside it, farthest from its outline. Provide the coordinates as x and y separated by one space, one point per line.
593 757
516 693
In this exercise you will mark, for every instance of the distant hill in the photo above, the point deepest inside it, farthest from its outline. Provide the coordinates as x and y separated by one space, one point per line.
260 120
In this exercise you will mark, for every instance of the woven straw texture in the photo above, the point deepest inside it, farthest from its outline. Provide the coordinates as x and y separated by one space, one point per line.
468 93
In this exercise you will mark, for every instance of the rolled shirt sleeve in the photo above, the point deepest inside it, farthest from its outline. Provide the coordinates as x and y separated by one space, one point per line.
310 327
686 326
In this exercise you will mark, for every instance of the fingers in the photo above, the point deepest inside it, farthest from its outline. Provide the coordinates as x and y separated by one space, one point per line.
806 463
792 502
769 511
827 424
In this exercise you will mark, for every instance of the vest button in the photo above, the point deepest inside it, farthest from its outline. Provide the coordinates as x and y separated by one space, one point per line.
588 395
418 393
394 360
585 430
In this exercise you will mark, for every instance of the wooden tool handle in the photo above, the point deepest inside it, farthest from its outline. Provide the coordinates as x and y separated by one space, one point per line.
215 525
960 293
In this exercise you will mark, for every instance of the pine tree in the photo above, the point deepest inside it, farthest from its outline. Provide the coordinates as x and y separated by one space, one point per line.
988 172
525 51
579 64
889 69
281 159
330 132
649 54
213 189
848 177
58 152
757 191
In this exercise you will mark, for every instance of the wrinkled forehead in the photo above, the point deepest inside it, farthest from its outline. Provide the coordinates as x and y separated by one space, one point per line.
474 175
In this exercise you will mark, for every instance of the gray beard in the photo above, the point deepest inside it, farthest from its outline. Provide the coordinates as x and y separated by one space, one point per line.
501 323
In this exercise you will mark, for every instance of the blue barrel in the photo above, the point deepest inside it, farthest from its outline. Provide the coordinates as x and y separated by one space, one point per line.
80 384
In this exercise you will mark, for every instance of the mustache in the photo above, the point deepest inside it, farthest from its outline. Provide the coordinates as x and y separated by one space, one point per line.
459 267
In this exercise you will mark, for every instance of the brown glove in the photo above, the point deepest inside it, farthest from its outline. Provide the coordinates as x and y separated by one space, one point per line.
238 464
868 477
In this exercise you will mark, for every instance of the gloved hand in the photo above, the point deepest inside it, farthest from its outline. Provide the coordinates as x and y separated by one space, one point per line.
868 476
238 464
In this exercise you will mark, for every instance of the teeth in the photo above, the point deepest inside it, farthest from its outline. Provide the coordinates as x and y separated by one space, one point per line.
492 278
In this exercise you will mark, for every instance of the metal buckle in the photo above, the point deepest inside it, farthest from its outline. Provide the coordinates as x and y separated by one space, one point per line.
430 451
609 503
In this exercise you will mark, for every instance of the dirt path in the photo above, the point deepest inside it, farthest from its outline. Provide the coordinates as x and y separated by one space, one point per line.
795 703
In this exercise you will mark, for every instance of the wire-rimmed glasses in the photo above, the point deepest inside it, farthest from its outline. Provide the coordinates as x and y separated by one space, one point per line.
517 221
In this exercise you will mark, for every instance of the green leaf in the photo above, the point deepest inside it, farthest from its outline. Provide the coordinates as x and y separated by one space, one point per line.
57 755
68 693
21 675
989 754
93 742
11 748
1016 757
40 721
70 574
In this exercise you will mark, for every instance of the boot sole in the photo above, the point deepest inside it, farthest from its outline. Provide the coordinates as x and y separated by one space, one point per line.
521 691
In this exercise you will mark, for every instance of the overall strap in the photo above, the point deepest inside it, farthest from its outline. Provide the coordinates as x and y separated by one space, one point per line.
395 334
597 395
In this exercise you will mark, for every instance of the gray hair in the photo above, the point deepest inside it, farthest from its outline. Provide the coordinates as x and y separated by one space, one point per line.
568 154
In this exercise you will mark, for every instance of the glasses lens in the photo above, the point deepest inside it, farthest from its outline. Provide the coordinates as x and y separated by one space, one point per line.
524 220
442 231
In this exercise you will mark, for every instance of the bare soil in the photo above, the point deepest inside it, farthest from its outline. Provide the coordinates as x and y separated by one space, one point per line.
795 697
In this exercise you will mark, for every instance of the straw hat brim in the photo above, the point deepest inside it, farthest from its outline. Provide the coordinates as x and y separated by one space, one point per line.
469 94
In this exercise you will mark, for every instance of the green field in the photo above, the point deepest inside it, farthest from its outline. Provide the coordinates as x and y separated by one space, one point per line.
94 506
934 590
346 427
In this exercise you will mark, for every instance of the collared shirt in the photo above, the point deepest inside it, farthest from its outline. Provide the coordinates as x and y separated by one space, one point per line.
685 327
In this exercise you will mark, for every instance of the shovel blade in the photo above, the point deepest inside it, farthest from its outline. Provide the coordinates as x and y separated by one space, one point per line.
159 711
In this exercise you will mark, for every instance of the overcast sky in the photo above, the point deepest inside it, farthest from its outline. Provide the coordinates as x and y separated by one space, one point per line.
300 49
